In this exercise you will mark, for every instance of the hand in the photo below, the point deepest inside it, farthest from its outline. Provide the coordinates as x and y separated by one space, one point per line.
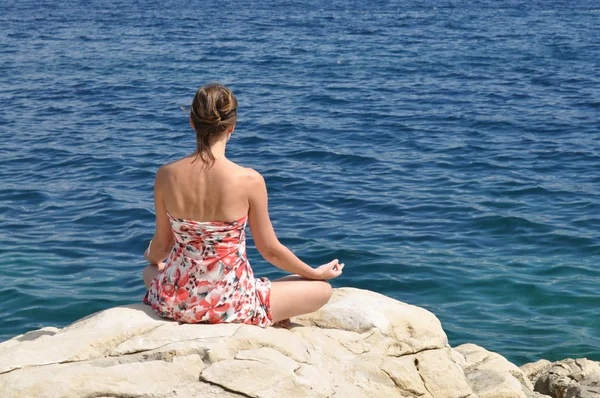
331 270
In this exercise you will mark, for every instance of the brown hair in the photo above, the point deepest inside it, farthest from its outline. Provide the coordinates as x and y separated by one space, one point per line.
214 111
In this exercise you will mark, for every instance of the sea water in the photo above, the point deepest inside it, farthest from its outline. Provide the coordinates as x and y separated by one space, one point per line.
446 151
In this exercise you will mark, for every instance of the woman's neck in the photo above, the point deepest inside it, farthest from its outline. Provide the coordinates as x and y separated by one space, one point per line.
218 147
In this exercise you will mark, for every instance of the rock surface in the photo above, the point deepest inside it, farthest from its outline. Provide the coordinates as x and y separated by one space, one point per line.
569 378
492 376
361 344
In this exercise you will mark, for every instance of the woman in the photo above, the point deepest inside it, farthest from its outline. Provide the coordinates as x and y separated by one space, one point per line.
203 203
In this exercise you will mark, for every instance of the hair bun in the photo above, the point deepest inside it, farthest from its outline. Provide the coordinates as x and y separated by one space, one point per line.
214 111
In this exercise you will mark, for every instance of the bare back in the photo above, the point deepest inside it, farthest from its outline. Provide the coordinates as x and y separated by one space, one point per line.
192 191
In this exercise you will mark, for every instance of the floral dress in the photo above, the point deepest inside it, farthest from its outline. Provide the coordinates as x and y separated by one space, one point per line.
207 277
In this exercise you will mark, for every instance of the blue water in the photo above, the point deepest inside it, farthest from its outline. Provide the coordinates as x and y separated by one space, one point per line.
447 151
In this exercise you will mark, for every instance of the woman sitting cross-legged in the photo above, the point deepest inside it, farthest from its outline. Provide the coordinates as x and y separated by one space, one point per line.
203 203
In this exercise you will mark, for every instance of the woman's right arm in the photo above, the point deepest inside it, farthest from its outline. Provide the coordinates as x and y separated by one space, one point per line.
267 243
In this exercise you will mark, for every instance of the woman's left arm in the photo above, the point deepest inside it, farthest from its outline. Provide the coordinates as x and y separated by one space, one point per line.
160 246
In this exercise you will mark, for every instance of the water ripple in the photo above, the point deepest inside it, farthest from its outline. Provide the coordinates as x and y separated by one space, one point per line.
450 163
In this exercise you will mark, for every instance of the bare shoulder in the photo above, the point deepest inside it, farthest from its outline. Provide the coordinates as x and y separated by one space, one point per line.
252 177
171 168
164 172
169 173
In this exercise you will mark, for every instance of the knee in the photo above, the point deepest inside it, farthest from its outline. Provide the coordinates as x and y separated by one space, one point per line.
149 273
325 291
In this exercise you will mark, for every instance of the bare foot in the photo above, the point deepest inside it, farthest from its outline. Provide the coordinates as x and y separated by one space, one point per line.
284 323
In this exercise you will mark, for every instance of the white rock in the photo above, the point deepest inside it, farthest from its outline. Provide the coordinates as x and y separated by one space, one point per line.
90 337
405 375
570 378
265 372
492 376
97 378
173 331
441 376
534 369
412 329
32 335
362 344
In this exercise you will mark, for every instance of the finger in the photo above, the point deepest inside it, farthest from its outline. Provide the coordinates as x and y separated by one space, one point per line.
341 266
334 264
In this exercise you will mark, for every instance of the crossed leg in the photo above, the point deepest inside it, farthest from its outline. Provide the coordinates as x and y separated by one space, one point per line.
294 295
291 296
150 272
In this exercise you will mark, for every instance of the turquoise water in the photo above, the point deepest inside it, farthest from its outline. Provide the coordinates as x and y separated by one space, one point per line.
447 152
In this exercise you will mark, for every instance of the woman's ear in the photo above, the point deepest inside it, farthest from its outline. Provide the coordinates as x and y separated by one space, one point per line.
192 123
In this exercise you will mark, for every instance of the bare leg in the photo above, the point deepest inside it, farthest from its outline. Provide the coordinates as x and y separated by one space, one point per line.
150 272
295 295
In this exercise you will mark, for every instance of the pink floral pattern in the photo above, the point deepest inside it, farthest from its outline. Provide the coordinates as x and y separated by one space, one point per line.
207 277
